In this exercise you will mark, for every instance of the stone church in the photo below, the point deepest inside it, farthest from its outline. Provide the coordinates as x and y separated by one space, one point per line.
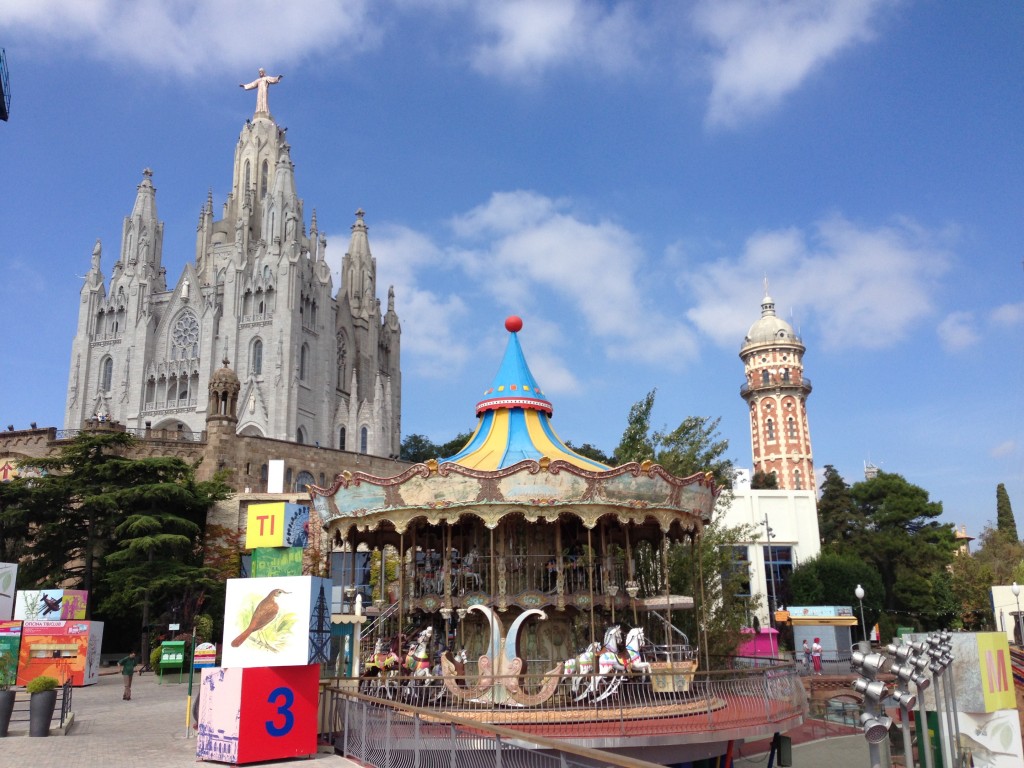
315 367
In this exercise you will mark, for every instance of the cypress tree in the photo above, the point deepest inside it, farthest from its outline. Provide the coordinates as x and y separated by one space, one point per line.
1005 523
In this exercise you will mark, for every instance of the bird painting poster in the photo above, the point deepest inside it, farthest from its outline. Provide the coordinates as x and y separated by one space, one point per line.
275 621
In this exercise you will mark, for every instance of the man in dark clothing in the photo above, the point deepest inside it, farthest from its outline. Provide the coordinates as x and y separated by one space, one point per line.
127 665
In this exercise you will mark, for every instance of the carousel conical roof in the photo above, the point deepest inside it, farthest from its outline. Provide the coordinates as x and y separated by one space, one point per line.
514 419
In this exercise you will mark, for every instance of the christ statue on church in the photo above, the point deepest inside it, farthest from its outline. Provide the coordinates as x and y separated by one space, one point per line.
261 84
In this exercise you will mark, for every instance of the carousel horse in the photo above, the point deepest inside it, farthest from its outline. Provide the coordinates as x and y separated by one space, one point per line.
380 669
417 664
635 642
581 667
451 665
611 667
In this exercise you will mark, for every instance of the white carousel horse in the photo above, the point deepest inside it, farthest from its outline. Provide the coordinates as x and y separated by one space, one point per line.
417 663
635 642
581 667
611 667
468 572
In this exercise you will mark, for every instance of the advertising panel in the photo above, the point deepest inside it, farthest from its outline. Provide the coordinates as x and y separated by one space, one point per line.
8 580
61 649
276 622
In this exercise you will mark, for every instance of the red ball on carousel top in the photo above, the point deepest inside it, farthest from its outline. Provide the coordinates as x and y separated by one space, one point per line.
513 324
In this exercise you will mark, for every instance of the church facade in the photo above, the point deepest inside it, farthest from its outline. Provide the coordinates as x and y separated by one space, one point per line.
316 367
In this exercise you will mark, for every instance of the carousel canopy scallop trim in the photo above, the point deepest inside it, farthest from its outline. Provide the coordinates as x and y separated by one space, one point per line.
538 490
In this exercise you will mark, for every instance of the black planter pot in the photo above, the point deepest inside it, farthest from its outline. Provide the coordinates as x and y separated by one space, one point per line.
6 707
40 712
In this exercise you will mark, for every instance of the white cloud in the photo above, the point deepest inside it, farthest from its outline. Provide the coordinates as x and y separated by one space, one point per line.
1008 315
529 251
957 331
525 37
187 37
865 288
763 50
1005 448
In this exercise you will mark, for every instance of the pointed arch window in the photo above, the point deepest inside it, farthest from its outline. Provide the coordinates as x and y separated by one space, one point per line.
264 179
248 177
363 438
300 436
341 439
185 336
106 374
257 357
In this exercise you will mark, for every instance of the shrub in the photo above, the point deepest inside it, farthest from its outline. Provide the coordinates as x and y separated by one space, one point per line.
154 658
42 683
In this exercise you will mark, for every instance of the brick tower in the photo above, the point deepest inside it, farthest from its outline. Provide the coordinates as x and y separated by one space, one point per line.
776 393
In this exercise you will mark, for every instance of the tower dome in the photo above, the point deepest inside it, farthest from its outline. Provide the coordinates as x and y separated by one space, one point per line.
770 328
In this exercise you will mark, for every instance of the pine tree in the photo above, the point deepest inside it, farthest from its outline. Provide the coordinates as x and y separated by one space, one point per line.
1005 523
837 514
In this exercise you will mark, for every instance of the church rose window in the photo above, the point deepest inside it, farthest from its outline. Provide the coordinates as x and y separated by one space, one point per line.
185 335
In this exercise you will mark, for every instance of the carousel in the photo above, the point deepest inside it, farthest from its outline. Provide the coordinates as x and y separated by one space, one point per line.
518 575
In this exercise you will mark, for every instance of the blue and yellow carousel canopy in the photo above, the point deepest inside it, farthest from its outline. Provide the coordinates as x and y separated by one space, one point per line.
515 419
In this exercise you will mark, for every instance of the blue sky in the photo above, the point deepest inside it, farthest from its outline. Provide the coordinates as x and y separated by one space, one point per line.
623 175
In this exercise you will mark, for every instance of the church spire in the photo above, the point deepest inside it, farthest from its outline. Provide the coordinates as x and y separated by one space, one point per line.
359 268
142 235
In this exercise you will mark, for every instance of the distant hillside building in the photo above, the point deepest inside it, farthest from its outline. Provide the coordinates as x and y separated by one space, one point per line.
315 367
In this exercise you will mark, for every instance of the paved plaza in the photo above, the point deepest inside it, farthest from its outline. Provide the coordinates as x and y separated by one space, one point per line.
146 732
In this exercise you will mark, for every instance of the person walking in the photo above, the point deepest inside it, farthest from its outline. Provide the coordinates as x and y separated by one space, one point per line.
127 665
807 657
816 655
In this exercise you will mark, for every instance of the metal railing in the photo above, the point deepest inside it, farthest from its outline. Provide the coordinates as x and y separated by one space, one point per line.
401 736
20 713
665 700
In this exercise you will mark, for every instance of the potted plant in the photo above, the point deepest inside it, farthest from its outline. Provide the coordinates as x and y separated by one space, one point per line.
8 671
42 702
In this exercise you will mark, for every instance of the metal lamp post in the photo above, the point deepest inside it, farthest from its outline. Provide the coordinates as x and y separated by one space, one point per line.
859 592
1016 594
771 582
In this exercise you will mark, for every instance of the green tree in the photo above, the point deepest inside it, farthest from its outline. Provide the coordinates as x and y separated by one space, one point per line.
895 528
763 481
418 448
591 452
703 568
1005 522
453 446
706 570
636 443
832 579
838 517
72 514
158 555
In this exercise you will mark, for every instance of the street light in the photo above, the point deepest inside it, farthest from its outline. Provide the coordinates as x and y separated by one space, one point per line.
859 592
1016 594
771 582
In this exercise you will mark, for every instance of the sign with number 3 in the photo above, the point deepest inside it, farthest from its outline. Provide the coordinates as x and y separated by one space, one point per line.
257 713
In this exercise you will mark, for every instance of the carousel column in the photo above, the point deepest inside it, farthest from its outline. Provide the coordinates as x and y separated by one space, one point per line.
668 597
560 570
412 564
446 577
632 588
401 584
590 573
502 560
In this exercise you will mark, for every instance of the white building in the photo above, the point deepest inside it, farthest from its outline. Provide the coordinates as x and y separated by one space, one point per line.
316 367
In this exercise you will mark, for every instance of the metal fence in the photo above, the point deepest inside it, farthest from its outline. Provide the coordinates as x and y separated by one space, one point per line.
611 706
20 713
398 736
